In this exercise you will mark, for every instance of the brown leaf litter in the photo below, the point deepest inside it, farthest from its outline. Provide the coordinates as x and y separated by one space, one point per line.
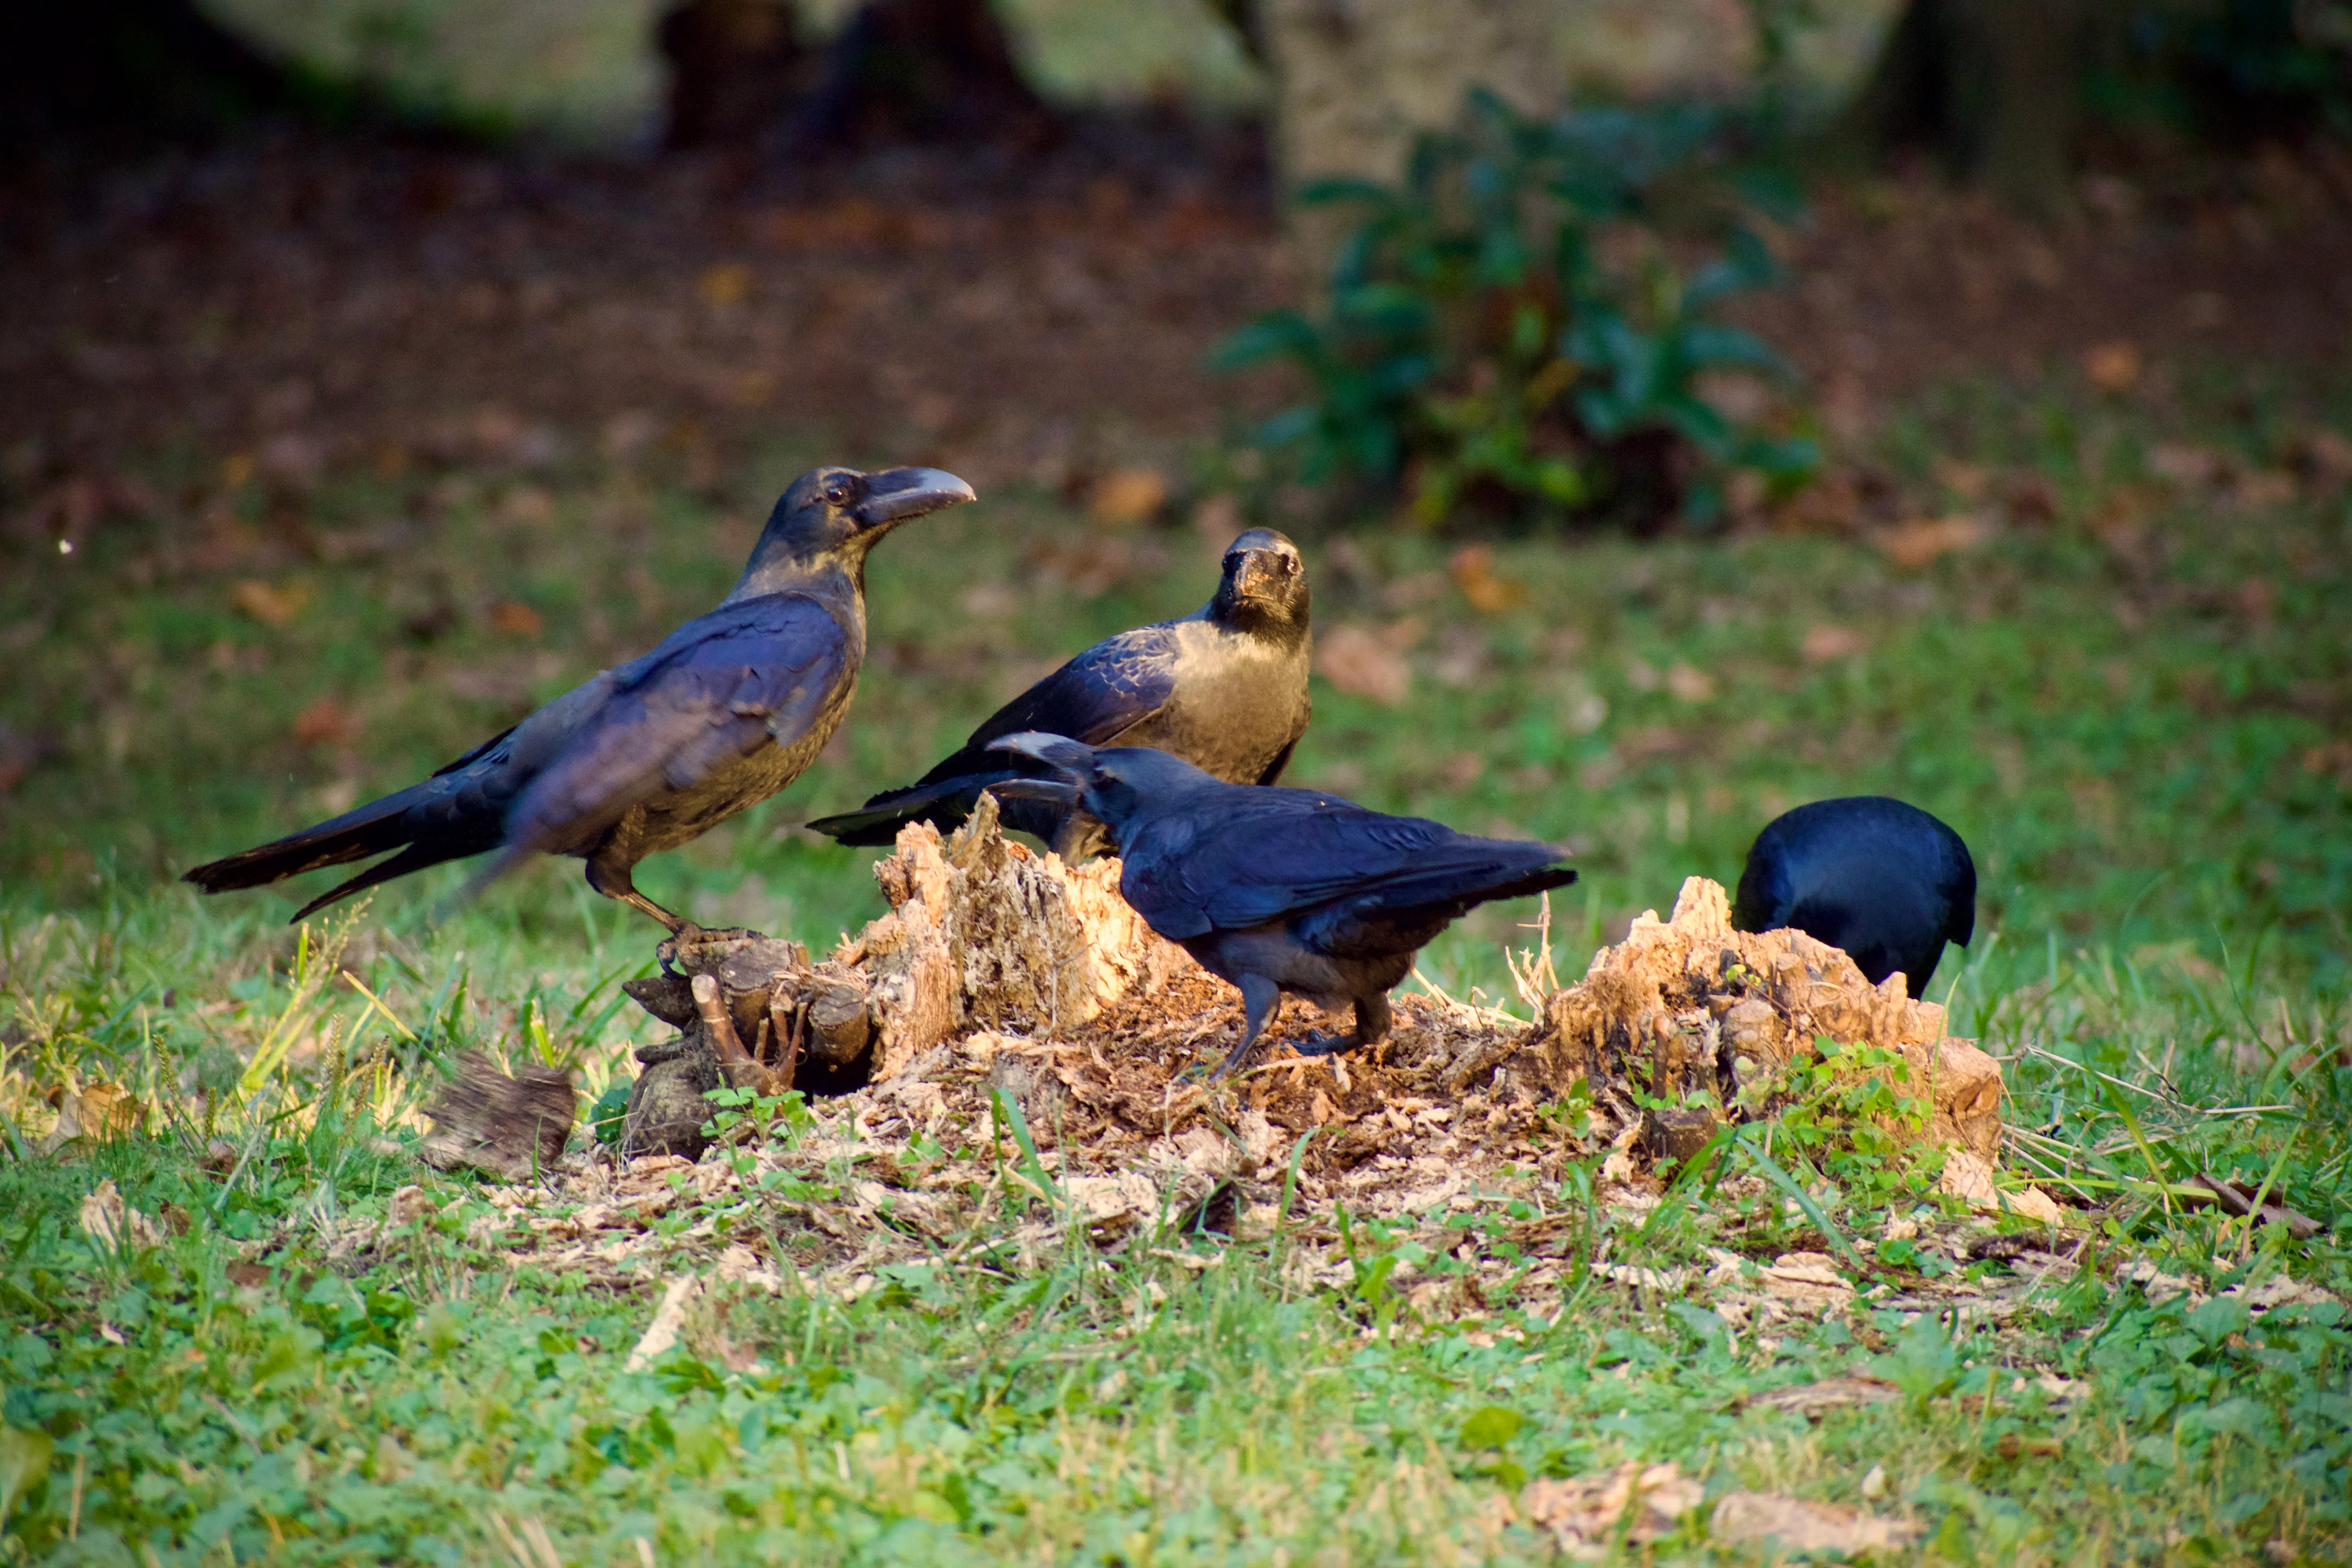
1005 987
1638 1503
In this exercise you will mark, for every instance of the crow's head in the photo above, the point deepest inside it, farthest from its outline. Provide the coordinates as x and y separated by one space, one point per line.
832 517
1117 785
1265 586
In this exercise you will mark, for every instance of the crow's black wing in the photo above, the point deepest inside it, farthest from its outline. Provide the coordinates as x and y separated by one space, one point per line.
715 691
1109 688
1234 856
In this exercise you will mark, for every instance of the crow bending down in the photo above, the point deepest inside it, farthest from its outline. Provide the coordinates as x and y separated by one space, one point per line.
1224 689
1884 881
649 756
1281 889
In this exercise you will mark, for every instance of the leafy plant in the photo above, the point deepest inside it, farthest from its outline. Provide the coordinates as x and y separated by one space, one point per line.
2227 69
1507 329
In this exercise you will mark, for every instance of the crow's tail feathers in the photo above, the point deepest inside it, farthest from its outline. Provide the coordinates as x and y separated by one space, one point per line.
371 829
415 857
944 805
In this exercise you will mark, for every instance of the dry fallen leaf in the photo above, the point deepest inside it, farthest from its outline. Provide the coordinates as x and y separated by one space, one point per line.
1823 643
1364 663
1967 481
410 1206
2112 367
2184 465
1125 496
98 1112
1473 573
1690 684
729 283
2260 488
113 1223
1808 1280
327 722
1967 1176
1926 541
271 607
662 1332
1801 1526
2330 456
1584 1512
1810 1399
515 619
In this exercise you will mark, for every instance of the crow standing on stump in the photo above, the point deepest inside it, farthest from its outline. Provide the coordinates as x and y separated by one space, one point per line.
729 709
1281 889
1224 689
1884 881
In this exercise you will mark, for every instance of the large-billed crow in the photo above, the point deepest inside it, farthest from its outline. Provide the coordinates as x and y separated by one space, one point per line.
1884 881
647 757
1224 689
1281 890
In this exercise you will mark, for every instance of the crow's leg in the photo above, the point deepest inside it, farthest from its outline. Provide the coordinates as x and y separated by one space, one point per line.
1372 1027
1259 995
612 878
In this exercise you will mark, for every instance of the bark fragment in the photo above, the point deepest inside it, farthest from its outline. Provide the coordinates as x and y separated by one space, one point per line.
513 1128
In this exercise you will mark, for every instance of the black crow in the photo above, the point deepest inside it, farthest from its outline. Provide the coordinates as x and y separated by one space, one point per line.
729 709
1224 689
1281 889
1884 881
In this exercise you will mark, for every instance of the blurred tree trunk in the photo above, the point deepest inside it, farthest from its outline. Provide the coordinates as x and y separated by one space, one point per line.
923 70
1356 81
735 69
1994 85
124 70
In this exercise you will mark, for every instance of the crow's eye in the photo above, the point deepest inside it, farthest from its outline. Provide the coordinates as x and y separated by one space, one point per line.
839 492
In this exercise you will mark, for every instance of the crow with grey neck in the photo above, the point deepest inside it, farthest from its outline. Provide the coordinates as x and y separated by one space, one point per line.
1281 890
1224 689
730 708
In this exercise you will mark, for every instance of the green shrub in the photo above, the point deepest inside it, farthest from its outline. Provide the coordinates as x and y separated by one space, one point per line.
2233 71
1505 332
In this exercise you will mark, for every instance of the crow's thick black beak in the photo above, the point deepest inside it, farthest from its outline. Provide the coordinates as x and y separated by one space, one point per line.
1061 792
895 495
1259 574
1064 755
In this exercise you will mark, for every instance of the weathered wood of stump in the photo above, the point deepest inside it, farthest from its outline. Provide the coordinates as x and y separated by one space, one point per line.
1693 1011
983 932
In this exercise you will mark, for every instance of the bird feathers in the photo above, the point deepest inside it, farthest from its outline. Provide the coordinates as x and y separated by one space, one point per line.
1883 880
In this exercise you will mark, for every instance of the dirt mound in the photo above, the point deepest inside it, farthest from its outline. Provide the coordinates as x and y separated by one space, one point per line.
999 969
1010 1061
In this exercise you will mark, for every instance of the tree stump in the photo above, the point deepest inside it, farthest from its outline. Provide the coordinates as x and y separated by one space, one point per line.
982 934
1690 1010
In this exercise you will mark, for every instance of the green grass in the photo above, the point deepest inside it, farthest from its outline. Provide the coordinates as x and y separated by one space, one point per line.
2145 753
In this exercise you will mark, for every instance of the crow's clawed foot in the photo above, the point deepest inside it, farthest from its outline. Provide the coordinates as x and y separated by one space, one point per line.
1327 1045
